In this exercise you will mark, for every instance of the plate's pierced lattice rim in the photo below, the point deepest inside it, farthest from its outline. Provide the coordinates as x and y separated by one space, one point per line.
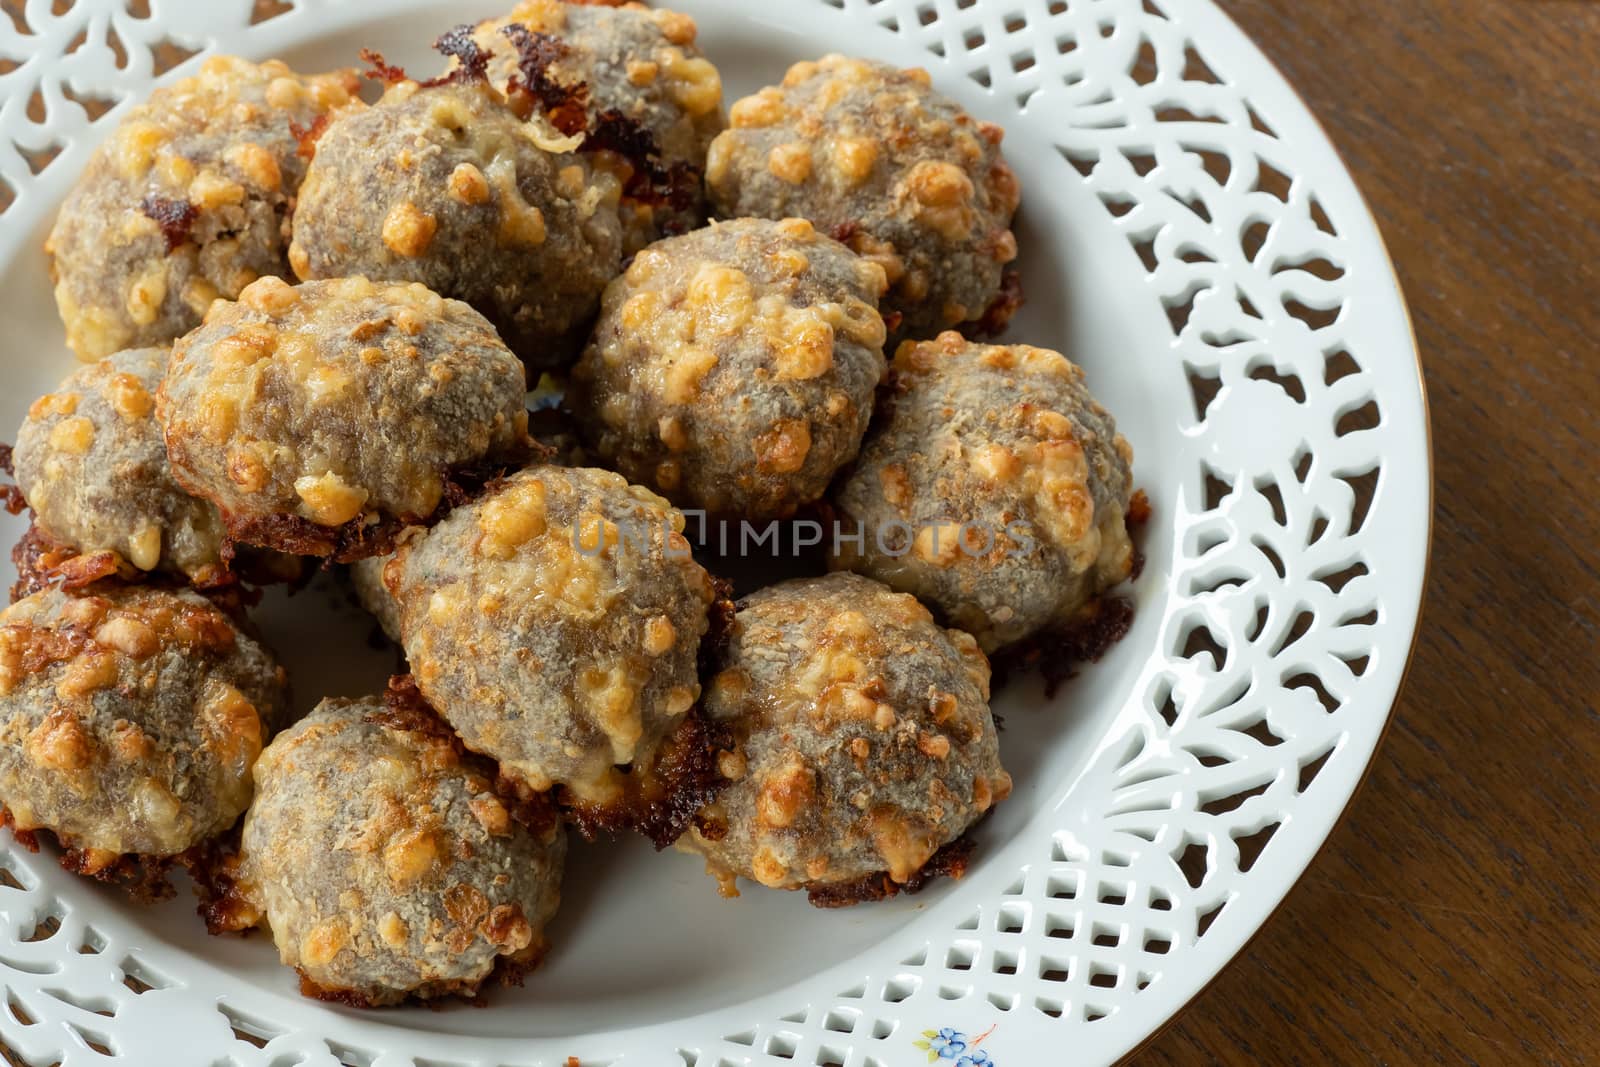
1283 632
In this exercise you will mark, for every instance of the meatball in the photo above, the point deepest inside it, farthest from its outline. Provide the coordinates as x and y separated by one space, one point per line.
995 488
637 65
900 173
444 185
129 720
385 864
185 202
555 624
91 462
733 368
318 417
366 578
552 431
861 740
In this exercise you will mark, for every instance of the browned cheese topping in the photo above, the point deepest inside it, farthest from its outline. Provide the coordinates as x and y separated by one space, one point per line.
185 202
901 174
640 65
91 461
336 404
445 185
1003 485
863 740
385 863
734 368
555 624
129 720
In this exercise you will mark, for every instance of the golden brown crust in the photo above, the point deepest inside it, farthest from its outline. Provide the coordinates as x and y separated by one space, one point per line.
949 862
1139 508
1057 653
406 709
661 797
345 543
11 497
224 905
143 878
41 561
28 839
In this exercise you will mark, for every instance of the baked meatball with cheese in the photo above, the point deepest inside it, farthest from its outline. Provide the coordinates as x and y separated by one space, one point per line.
629 63
733 368
185 202
320 417
995 488
552 430
555 624
366 579
129 721
861 741
90 460
445 185
874 156
384 863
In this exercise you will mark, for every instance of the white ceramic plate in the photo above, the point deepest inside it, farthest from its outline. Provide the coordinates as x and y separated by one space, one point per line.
1191 238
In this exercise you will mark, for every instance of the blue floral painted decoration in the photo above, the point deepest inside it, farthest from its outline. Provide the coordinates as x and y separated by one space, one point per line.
955 1046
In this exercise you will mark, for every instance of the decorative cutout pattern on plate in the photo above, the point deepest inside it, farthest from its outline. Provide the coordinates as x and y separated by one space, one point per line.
1299 541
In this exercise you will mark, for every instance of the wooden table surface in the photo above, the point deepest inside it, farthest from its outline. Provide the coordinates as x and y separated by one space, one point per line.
1454 916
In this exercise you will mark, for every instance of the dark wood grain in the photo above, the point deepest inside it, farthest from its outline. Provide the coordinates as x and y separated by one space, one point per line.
1454 917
